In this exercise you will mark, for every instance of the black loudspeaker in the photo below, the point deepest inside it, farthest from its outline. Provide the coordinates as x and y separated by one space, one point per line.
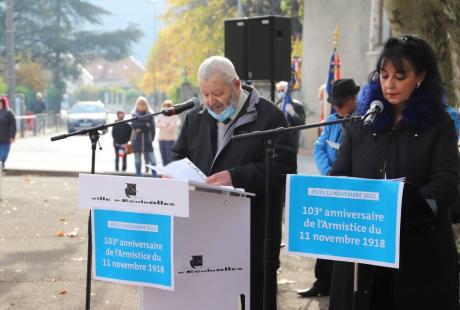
260 47
236 45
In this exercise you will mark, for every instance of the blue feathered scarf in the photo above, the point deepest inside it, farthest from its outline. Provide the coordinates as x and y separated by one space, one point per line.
419 113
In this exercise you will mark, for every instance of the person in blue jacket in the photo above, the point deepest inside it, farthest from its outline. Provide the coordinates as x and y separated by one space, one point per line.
343 99
455 115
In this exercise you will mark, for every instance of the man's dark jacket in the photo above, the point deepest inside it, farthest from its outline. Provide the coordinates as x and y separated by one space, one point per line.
245 160
38 106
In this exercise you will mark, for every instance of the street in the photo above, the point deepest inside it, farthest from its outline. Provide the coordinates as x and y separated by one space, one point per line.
74 154
71 154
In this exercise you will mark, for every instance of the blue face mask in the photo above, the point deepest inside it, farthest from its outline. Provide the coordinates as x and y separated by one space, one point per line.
280 95
227 113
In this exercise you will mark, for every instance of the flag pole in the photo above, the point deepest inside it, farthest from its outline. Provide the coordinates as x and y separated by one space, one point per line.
333 72
336 36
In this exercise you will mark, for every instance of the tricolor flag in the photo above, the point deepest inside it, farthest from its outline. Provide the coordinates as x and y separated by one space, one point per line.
333 75
294 83
334 70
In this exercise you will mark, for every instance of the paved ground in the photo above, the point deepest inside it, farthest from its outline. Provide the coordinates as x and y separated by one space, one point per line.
43 267
70 154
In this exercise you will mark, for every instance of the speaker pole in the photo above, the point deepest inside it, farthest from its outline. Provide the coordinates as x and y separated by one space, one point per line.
272 90
270 277
272 58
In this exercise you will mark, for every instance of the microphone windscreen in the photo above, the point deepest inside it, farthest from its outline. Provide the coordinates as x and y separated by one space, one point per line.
377 104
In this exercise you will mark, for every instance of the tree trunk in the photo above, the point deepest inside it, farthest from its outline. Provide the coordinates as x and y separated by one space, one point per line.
58 84
10 54
438 22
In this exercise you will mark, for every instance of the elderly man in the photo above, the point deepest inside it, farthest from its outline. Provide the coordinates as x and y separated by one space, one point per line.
38 106
231 109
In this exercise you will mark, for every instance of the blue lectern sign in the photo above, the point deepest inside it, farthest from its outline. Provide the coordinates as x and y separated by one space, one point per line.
348 219
133 248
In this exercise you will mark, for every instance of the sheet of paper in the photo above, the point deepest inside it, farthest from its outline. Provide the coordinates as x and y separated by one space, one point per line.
333 144
402 179
181 169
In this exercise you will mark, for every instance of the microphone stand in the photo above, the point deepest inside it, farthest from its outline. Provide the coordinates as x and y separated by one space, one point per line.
269 287
94 135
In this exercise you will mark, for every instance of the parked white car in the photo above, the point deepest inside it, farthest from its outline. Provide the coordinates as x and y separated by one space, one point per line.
85 114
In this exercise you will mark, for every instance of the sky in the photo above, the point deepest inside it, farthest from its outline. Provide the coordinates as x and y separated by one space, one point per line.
138 12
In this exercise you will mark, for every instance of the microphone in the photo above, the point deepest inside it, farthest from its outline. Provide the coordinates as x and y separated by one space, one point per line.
375 108
181 107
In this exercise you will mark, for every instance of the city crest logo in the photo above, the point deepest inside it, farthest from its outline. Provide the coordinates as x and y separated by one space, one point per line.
130 190
196 261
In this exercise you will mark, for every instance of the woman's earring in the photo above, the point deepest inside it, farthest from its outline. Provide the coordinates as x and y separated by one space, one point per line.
418 85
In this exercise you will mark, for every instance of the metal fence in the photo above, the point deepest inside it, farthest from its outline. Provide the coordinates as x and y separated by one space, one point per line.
39 124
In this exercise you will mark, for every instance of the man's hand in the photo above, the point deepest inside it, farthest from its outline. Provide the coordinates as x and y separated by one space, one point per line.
222 178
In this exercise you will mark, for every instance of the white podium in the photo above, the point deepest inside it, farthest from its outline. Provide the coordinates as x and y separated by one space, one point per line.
210 239
211 254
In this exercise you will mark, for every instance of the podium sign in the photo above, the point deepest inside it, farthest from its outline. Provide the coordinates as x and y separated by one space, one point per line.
346 219
134 194
133 227
133 248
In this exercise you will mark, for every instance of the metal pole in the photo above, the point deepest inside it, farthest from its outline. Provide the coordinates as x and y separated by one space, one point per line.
273 12
269 284
10 57
272 90
154 98
94 137
356 299
355 277
240 8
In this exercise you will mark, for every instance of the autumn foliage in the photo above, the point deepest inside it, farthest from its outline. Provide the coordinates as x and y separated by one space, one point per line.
195 30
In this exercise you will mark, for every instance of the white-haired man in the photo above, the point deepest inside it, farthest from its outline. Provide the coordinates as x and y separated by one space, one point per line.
230 109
